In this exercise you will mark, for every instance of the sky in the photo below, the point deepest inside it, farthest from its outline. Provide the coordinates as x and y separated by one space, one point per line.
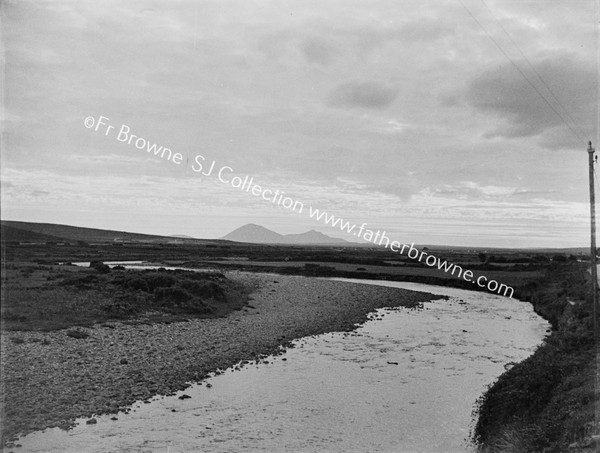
446 122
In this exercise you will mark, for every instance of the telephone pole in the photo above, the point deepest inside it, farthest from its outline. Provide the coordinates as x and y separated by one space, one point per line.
592 161
593 242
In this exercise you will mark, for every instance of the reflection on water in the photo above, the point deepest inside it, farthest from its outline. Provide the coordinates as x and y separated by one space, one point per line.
405 381
144 265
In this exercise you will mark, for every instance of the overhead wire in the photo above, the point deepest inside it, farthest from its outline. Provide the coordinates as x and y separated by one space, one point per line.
597 33
539 76
577 134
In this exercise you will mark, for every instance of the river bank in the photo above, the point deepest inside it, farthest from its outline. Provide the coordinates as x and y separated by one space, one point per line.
547 402
403 381
51 378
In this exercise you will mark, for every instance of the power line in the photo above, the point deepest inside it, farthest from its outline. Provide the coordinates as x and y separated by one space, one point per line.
522 73
597 30
566 111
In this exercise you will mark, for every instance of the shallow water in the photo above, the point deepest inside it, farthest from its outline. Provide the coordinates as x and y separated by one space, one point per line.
402 383
145 265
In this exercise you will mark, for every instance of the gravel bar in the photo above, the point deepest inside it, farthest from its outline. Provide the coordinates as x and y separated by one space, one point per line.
49 379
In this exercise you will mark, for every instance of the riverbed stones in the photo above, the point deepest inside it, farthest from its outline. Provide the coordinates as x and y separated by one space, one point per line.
50 385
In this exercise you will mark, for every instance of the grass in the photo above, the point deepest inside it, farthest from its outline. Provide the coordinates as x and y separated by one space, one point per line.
409 270
546 402
58 297
542 404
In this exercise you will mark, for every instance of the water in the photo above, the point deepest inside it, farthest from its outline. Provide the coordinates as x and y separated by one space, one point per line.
405 381
144 265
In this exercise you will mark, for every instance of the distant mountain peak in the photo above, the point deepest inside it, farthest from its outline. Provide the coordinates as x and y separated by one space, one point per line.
254 234
258 234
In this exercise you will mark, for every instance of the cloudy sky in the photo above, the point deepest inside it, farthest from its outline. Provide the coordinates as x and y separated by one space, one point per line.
460 122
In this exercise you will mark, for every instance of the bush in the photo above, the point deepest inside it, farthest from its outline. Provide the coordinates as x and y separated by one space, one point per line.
80 282
159 280
179 300
100 267
174 295
207 290
124 306
138 284
86 296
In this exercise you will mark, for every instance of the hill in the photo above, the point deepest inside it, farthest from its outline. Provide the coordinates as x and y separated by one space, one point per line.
254 234
257 234
50 232
12 234
312 237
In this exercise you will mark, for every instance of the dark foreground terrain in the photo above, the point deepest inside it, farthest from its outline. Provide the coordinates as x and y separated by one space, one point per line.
83 341
547 402
50 297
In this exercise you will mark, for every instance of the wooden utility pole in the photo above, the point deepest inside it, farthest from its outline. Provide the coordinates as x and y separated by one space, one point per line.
593 242
592 161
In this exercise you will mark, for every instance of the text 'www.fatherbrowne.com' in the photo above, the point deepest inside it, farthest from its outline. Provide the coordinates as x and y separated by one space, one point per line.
226 175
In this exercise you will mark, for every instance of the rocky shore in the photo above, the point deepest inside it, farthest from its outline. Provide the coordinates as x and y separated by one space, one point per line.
49 378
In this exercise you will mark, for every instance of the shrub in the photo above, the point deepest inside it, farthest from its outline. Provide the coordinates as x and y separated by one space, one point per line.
121 307
80 282
179 300
159 280
100 267
138 283
173 295
206 290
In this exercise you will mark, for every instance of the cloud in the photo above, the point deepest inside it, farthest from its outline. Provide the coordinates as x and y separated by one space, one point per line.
470 190
429 30
370 95
400 189
318 51
391 126
356 107
505 93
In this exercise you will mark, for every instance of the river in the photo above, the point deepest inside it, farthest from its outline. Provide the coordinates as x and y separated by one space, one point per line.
405 381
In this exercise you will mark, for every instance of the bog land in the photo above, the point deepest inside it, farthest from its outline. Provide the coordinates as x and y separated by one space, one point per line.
97 339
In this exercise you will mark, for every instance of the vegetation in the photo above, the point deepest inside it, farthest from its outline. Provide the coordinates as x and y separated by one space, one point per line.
546 403
56 297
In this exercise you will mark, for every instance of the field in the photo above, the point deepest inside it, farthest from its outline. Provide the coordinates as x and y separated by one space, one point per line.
543 404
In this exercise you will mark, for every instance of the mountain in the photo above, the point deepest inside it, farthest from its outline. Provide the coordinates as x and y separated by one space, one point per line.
31 232
312 237
12 234
256 234
13 231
